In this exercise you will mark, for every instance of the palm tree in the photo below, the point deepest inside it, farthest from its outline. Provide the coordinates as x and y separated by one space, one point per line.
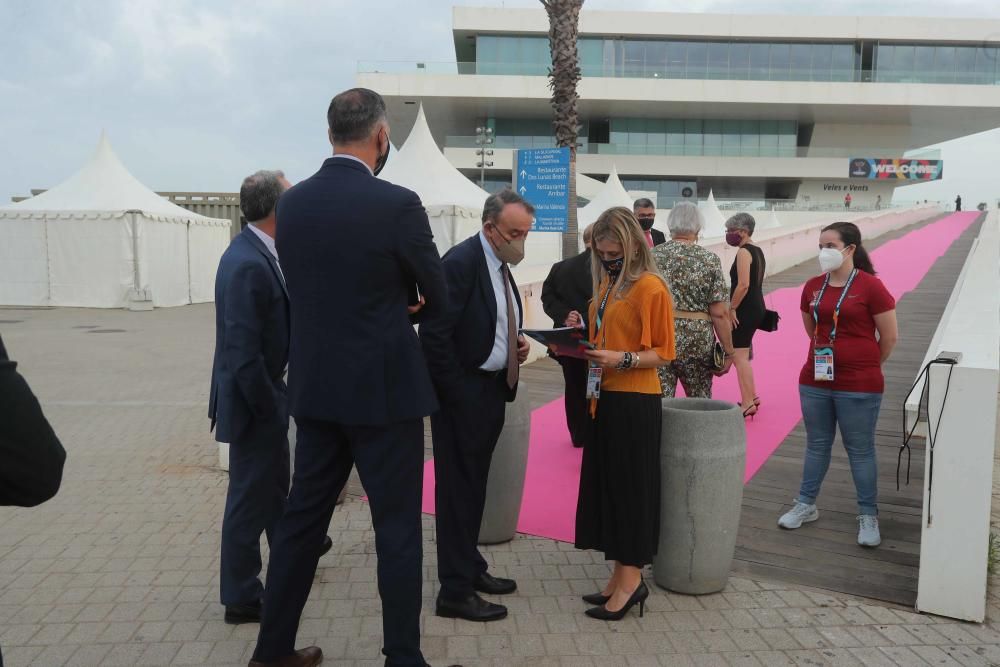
564 75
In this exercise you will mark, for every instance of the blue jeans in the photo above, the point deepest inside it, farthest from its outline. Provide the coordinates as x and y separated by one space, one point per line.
856 413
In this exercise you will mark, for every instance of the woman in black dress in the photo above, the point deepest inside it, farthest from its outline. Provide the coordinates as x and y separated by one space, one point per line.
746 303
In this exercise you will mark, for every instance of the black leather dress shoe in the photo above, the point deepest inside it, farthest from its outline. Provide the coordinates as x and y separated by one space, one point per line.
487 583
305 657
327 545
472 608
242 613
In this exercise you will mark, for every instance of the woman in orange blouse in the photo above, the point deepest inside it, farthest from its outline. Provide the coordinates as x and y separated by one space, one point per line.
632 329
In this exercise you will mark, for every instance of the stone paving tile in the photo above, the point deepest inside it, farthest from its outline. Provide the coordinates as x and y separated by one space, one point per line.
89 655
122 567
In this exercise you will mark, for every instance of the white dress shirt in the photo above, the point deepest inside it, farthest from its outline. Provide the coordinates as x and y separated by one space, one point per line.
345 156
498 356
269 244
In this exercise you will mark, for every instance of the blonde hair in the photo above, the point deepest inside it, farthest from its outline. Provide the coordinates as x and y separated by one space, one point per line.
619 225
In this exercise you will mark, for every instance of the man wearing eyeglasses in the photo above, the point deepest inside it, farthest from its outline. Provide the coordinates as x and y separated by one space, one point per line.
645 213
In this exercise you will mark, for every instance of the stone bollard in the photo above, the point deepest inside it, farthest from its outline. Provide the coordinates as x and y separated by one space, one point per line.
702 463
506 482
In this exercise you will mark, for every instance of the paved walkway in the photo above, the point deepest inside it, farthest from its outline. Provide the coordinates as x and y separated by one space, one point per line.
121 568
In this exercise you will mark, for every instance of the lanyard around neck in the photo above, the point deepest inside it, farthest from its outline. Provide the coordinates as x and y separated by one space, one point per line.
836 308
599 320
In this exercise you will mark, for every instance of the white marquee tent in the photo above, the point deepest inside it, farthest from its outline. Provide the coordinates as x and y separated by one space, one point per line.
715 221
612 194
454 203
102 239
767 220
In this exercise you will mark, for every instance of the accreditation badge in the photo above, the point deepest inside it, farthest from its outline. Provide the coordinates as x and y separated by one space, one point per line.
594 382
823 364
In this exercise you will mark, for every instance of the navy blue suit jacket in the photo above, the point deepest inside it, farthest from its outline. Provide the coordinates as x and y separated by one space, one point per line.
353 249
461 340
251 342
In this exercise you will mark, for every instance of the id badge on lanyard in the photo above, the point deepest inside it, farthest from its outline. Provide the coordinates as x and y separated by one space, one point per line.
823 364
595 372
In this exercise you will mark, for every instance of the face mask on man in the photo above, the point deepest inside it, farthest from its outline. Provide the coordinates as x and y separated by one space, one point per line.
510 251
733 238
382 158
830 259
646 223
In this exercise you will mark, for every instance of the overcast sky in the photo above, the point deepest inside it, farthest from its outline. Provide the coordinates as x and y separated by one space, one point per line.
195 94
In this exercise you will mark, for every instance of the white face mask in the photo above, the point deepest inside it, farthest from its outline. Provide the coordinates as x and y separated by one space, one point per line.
830 259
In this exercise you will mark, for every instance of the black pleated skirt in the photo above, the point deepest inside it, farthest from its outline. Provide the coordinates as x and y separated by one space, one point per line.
618 510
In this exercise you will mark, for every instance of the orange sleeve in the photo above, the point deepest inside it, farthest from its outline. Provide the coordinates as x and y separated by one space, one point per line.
657 308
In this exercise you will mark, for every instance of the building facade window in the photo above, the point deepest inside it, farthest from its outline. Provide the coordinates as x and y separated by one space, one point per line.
674 59
700 137
922 63
729 60
668 192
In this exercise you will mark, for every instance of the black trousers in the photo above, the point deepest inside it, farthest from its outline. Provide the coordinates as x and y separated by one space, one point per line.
465 433
578 419
258 487
390 461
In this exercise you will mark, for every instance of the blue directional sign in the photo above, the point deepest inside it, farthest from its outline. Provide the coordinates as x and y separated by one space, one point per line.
542 177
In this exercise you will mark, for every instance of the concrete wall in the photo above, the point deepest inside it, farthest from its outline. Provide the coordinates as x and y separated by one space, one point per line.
863 192
962 402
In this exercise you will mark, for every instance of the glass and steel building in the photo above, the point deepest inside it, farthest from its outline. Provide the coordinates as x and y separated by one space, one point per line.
750 107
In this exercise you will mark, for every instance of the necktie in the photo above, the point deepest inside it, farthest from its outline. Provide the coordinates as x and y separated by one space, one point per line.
649 239
513 368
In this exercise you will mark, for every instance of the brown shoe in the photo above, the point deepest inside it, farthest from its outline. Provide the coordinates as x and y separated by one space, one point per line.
305 657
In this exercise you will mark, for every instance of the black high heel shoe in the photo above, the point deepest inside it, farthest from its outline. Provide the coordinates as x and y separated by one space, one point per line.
596 598
638 596
748 413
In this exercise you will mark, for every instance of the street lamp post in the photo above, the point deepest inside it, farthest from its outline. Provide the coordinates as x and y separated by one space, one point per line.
484 141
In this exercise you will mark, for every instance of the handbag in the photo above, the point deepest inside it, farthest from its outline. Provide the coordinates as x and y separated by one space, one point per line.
718 357
770 320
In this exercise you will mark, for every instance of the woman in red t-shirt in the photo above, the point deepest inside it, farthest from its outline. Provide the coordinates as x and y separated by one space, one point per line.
841 382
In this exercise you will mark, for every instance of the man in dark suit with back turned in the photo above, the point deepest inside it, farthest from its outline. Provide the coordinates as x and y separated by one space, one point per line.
569 287
474 354
248 407
353 248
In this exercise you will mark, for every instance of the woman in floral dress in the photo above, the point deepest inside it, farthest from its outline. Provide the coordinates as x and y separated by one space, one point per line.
701 305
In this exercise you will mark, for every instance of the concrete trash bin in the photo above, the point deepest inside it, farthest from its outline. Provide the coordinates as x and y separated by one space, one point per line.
506 481
702 463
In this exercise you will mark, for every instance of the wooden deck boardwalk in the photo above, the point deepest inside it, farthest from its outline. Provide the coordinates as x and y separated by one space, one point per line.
825 554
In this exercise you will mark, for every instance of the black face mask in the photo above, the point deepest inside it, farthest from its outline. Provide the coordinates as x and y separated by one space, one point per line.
646 223
613 266
382 158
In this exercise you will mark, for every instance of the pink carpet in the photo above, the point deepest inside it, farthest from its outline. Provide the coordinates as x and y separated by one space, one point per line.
548 507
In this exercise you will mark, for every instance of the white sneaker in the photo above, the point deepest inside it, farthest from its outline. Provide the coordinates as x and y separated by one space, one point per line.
868 535
801 513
